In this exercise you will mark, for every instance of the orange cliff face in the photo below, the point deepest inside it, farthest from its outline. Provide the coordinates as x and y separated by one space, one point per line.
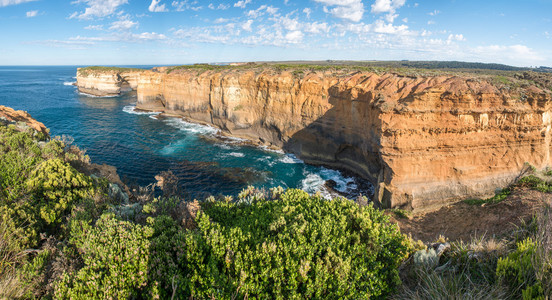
10 116
424 141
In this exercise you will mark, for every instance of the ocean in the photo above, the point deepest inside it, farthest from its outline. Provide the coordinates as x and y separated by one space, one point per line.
142 145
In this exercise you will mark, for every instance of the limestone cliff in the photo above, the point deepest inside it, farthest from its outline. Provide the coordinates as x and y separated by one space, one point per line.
21 119
423 141
105 81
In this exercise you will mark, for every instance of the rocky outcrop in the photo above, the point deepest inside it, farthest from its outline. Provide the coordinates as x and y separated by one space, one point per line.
423 141
105 82
21 119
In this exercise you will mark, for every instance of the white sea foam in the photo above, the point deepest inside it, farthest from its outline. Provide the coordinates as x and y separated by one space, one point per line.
343 184
191 127
131 109
223 146
270 161
236 154
68 83
233 139
265 148
315 182
290 159
94 96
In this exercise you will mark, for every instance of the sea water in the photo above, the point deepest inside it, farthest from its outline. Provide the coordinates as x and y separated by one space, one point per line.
141 145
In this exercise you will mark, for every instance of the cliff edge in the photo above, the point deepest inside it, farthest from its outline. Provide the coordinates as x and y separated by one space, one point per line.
21 119
424 140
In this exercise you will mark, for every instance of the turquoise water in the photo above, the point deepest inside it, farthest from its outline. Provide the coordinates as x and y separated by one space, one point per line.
142 145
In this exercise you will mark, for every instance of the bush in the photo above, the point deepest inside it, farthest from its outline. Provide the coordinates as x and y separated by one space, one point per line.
115 255
536 183
518 273
299 246
55 186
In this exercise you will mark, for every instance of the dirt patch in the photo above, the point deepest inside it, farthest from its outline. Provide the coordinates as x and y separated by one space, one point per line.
462 221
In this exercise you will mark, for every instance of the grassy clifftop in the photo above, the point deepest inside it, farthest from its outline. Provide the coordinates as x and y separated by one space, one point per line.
502 76
99 69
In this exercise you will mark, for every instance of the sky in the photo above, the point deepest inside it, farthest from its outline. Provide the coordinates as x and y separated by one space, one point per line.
167 32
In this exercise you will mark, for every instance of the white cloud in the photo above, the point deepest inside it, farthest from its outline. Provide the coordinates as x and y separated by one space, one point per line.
508 53
381 27
122 25
186 5
247 25
289 24
294 37
261 11
148 36
220 20
220 6
73 45
32 13
405 20
351 10
12 2
155 7
547 34
271 10
94 27
307 12
242 3
316 28
430 22
121 37
98 8
456 37
434 13
202 35
387 6
391 17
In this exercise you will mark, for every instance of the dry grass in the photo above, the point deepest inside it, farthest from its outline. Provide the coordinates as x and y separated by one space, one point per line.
11 286
465 271
543 257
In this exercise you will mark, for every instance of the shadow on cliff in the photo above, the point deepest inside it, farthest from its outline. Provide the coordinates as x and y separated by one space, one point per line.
346 137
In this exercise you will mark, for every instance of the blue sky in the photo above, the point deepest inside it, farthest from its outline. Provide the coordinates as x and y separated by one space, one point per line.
162 32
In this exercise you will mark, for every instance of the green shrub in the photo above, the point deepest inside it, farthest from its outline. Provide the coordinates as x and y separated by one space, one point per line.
167 255
299 246
115 254
499 197
56 185
517 271
535 183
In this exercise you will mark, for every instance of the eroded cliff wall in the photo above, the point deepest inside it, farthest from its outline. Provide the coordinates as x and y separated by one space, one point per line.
107 82
423 141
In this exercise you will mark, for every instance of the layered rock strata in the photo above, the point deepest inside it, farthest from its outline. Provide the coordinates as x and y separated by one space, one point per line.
107 82
423 141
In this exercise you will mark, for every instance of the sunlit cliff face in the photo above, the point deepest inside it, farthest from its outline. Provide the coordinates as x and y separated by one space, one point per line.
424 141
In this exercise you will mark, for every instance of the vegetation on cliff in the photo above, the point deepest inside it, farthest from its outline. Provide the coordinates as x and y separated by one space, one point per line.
95 69
66 234
497 74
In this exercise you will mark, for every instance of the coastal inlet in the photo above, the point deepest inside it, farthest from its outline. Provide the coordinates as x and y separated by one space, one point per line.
142 145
